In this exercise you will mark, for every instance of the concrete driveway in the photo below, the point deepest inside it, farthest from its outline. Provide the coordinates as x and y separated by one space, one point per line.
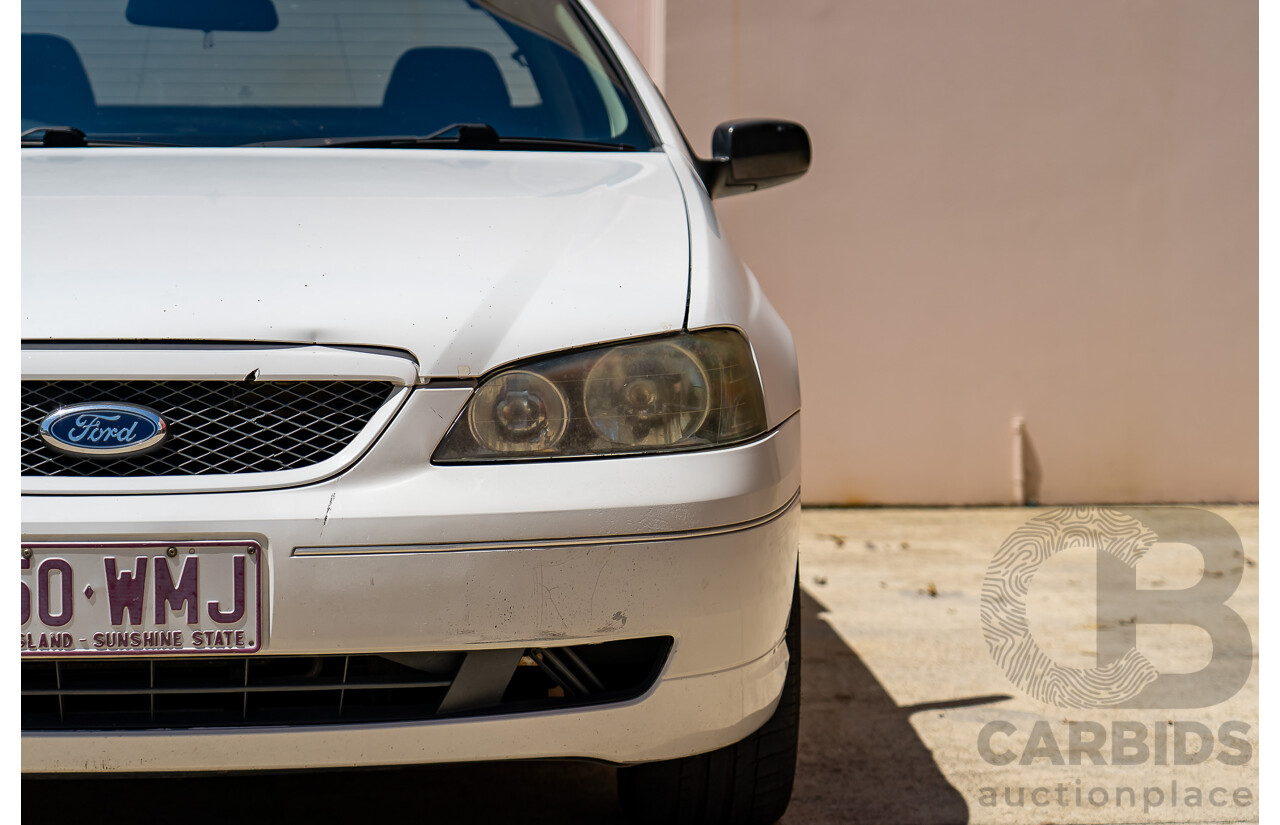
898 689
899 684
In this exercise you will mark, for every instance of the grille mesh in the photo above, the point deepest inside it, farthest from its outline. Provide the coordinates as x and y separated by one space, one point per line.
175 692
215 427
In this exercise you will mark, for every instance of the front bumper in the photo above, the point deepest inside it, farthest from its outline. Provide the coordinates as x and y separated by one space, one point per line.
399 555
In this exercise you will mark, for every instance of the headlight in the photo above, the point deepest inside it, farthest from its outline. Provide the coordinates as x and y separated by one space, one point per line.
683 392
652 395
518 412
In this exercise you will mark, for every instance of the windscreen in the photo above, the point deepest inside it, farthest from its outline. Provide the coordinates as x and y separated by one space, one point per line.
240 72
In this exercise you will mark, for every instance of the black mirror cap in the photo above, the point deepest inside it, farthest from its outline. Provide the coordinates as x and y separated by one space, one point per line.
749 155
204 15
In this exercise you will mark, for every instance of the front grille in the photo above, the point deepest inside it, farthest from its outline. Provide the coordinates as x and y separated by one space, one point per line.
215 427
254 691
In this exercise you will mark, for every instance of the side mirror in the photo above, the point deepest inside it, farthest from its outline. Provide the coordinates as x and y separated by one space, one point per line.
748 155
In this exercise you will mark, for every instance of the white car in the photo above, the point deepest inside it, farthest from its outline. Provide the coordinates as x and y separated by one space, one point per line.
392 396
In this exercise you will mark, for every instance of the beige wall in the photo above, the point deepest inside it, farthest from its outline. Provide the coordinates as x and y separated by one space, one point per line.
1017 208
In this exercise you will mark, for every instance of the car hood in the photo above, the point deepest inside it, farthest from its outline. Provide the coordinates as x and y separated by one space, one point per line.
466 259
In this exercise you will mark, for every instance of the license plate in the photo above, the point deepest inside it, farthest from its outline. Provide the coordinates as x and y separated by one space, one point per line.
145 598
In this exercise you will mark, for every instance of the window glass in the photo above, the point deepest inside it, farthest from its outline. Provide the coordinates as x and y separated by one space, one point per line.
130 69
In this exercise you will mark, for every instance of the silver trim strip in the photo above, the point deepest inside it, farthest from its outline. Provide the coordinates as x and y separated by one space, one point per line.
277 362
635 538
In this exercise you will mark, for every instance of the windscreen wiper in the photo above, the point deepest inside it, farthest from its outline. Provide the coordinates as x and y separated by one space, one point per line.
71 137
468 136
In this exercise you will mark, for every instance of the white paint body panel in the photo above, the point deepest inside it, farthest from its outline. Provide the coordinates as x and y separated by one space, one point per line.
453 263
723 597
466 259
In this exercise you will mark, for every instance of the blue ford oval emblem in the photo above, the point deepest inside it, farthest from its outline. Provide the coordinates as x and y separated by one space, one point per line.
105 430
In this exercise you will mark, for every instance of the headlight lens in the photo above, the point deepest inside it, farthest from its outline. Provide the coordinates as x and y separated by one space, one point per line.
683 392
518 412
648 395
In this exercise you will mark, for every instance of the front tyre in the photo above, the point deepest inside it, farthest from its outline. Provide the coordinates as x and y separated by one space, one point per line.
747 783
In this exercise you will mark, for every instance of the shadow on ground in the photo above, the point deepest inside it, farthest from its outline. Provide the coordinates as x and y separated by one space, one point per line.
860 761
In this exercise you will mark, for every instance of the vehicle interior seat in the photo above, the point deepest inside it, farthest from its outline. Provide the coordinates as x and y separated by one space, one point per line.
433 87
55 87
